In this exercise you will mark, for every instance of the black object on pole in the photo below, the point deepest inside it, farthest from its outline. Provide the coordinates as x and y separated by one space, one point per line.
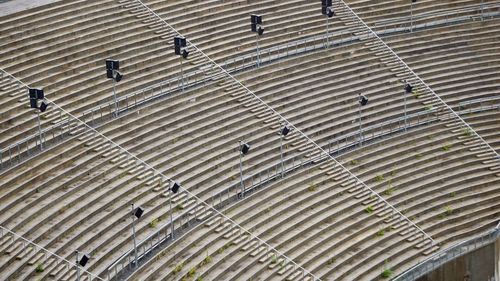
256 26
363 100
180 46
83 261
138 212
408 88
245 148
33 103
112 67
112 64
175 187
35 95
325 5
43 107
180 41
285 130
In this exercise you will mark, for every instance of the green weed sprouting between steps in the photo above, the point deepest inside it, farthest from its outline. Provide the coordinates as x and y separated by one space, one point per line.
154 223
446 147
39 268
379 178
386 273
312 187
467 132
178 267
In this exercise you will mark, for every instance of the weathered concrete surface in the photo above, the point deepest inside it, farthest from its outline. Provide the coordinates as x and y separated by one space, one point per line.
475 266
12 6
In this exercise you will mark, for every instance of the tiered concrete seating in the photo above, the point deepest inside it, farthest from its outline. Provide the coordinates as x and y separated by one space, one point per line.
318 93
383 15
316 216
77 195
222 30
486 124
459 63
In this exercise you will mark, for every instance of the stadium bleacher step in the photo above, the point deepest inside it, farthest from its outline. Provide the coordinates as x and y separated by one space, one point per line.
265 114
96 141
186 204
276 263
328 166
24 100
370 200
110 153
393 219
15 94
13 247
195 210
51 266
250 103
244 98
154 181
77 131
66 276
10 86
333 172
408 230
294 275
145 174
266 257
222 227
285 269
127 164
341 176
6 239
491 161
214 220
258 251
400 223
22 254
35 258
365 193
231 233
179 197
478 147
250 245
204 214
486 155
86 136
494 168
355 188
118 158
385 212
104 145
431 250
423 244
240 239
348 182
271 119
58 269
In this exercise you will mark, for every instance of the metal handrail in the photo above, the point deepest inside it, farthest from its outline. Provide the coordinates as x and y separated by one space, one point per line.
412 73
405 19
438 259
270 108
163 88
284 120
4 230
270 172
480 101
